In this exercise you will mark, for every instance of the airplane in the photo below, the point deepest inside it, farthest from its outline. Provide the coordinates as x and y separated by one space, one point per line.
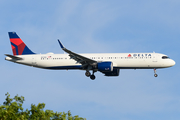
107 63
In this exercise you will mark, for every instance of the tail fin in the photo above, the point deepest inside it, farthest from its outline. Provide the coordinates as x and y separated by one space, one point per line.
18 46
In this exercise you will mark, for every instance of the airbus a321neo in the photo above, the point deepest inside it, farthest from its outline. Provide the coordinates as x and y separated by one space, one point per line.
107 63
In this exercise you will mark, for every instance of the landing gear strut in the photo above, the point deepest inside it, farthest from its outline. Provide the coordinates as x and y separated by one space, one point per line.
155 75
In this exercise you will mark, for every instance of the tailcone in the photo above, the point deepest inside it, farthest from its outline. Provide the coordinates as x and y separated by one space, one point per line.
8 58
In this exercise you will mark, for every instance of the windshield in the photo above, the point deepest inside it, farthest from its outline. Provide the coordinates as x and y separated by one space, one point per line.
165 57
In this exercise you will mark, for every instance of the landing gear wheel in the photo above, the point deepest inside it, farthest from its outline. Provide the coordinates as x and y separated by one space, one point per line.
155 75
92 77
88 73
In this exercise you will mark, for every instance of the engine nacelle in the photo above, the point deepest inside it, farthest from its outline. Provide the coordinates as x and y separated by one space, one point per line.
115 72
105 66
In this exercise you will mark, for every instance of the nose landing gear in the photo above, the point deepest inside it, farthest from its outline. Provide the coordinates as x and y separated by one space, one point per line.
155 75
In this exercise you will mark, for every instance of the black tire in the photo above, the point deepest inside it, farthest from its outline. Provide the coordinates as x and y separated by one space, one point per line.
92 77
155 75
87 73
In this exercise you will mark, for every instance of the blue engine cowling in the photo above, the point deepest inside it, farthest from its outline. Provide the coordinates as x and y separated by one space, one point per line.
105 66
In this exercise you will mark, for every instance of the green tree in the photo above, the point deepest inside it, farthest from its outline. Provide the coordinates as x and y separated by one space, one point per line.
12 110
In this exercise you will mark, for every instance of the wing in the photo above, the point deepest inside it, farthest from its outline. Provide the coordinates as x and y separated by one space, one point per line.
78 58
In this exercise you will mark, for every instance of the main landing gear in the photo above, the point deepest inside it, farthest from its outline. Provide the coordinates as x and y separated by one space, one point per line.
155 75
88 74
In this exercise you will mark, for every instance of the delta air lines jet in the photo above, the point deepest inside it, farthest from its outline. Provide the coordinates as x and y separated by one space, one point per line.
107 63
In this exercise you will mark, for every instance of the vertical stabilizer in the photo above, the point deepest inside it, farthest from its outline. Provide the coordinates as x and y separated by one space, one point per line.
18 46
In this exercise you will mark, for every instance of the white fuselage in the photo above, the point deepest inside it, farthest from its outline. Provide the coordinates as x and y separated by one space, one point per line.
119 60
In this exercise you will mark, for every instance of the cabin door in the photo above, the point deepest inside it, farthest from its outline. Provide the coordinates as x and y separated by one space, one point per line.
154 57
34 61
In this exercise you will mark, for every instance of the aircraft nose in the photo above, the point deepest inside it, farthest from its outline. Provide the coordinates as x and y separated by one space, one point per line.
172 62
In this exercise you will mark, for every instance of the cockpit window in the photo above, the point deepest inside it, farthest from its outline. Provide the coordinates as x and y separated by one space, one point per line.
165 57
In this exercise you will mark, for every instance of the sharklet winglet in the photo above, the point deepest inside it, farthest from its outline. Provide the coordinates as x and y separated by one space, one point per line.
61 44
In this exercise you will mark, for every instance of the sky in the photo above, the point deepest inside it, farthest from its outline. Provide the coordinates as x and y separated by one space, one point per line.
92 26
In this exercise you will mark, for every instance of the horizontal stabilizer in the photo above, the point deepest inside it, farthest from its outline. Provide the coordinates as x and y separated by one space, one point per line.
14 57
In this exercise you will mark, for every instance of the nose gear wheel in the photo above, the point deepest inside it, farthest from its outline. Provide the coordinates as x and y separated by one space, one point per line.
155 75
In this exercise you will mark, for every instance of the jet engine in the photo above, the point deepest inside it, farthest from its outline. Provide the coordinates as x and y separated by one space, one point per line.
115 72
105 66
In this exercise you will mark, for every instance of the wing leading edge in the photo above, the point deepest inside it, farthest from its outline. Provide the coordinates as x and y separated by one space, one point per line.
78 58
